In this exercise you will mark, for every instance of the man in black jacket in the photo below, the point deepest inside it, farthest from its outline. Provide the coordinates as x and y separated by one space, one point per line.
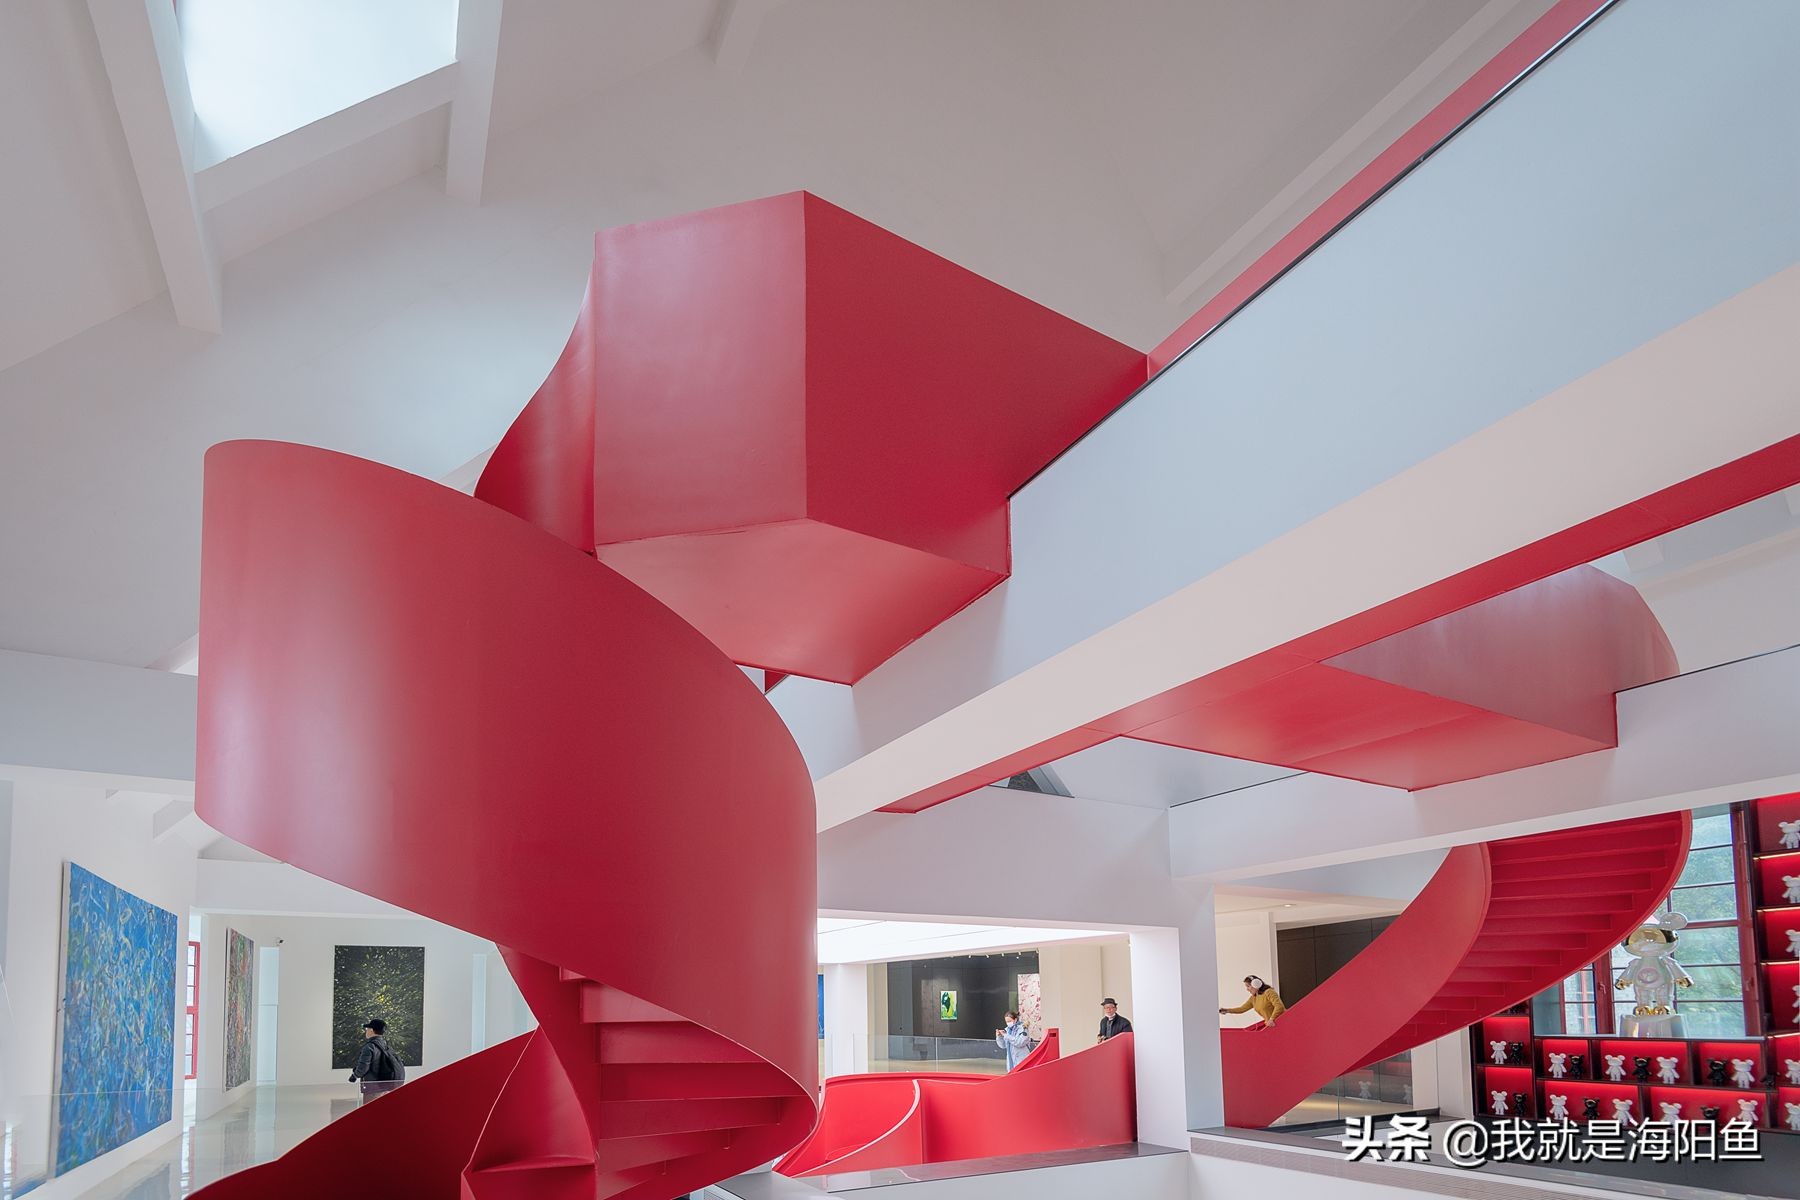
1111 1023
378 1069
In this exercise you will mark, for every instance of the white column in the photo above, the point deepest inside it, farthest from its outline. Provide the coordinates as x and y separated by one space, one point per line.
846 1018
1174 975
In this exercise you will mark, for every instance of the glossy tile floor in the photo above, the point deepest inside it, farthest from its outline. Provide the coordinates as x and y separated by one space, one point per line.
251 1130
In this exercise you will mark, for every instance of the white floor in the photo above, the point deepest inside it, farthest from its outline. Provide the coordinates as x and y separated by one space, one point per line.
251 1130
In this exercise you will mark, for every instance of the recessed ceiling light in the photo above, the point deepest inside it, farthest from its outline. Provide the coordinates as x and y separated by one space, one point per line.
1287 906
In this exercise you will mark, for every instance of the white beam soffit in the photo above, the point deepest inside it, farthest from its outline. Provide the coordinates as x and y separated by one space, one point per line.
1488 490
141 46
1408 403
1714 736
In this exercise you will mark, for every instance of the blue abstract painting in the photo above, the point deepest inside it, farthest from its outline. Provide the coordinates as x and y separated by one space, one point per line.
116 1057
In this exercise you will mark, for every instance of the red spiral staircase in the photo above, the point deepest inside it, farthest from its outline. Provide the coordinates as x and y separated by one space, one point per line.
487 711
425 698
1498 923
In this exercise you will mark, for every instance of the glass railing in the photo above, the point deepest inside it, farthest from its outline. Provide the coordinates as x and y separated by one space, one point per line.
207 1135
1374 1090
861 1054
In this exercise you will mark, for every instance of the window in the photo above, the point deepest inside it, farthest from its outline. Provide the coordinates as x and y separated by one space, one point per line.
191 1019
1709 949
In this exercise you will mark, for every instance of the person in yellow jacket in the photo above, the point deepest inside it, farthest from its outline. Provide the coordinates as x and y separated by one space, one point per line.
1263 999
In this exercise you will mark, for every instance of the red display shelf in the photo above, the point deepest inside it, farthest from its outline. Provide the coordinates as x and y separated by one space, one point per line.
1692 1103
1772 874
1571 1048
1782 1116
1768 814
1778 927
1516 1082
1782 994
1784 1059
1651 1051
1729 1052
1514 1034
1578 1091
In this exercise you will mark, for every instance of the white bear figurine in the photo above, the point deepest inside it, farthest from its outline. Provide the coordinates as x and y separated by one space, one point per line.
1670 1112
1747 1111
1497 1053
1793 1071
1559 1107
1793 1118
1499 1103
1362 1090
1790 834
1793 937
1797 1004
1666 1069
1653 974
1622 1111
1793 888
1558 1065
1406 1093
1741 1074
1615 1067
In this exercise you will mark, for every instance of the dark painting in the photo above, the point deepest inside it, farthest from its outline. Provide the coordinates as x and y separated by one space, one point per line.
378 981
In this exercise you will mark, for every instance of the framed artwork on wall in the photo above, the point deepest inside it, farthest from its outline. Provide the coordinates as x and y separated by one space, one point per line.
1031 1004
378 981
240 960
115 1057
946 1006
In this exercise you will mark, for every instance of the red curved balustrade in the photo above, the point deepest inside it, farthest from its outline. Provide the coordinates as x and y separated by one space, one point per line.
1046 1103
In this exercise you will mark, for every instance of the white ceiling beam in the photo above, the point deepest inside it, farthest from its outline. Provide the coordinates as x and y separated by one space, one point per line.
477 59
735 34
140 44
1201 264
273 160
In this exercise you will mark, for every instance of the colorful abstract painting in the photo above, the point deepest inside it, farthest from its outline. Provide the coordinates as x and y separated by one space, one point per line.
1031 1004
378 981
116 1037
946 1006
240 959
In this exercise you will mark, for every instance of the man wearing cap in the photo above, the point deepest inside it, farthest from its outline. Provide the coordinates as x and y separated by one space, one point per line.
1112 1024
378 1069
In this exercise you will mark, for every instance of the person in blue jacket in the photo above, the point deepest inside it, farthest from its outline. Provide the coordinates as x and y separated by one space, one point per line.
1014 1039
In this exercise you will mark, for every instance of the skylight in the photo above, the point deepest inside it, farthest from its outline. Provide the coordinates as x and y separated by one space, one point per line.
258 69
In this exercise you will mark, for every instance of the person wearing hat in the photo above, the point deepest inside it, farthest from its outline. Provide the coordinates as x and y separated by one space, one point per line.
1111 1023
378 1069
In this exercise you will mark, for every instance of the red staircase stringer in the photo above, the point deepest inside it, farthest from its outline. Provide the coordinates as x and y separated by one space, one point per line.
420 696
1474 941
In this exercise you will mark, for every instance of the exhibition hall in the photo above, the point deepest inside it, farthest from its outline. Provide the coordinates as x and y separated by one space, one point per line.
964 599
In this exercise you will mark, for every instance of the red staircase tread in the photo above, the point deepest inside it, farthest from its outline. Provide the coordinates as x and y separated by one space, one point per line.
538 1162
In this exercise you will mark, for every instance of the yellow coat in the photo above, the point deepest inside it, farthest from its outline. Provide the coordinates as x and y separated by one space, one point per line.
1267 1004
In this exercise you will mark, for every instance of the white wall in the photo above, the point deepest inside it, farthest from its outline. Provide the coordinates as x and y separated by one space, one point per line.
307 944
111 837
1246 946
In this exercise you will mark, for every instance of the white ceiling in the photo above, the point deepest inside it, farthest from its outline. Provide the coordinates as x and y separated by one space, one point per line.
857 939
1100 159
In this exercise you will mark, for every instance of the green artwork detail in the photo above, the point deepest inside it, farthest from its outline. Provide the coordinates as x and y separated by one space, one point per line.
946 1006
378 981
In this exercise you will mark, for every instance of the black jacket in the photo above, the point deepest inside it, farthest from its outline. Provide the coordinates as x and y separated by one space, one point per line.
1113 1027
376 1061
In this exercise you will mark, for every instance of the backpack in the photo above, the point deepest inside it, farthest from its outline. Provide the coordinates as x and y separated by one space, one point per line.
387 1068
